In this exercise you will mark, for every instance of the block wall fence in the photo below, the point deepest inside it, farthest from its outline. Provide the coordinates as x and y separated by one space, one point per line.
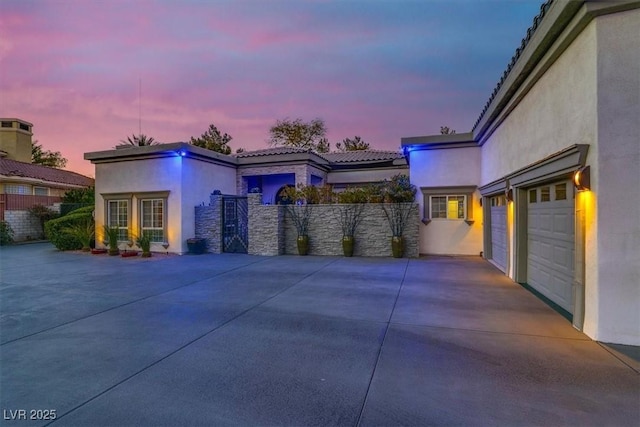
272 232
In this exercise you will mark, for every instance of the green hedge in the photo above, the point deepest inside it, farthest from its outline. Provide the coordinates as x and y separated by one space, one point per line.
53 229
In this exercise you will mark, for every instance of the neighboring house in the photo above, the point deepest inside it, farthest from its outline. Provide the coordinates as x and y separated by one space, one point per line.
156 188
516 189
24 185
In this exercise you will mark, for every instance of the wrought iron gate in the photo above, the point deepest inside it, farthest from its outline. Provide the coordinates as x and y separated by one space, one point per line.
235 236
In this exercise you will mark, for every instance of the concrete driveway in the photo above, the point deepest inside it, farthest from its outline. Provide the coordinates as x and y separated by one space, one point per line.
244 340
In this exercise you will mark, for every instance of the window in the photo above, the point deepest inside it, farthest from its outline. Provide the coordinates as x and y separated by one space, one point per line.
561 191
40 191
498 201
118 217
453 203
533 196
545 194
152 218
7 124
448 207
24 127
16 189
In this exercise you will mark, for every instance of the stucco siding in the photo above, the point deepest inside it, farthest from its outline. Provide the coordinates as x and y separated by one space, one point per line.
558 111
199 179
446 168
613 263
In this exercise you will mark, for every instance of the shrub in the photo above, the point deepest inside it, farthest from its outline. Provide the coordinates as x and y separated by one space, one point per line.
85 196
82 230
6 233
42 214
57 230
111 235
144 241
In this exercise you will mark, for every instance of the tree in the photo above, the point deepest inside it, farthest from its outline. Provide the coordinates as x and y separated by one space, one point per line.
139 140
445 130
296 133
354 144
213 140
42 157
80 196
323 146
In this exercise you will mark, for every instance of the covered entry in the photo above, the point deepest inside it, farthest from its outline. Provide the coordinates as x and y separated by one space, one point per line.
551 241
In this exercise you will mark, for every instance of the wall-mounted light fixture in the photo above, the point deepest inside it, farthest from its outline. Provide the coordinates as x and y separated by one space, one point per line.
182 152
165 245
582 179
508 194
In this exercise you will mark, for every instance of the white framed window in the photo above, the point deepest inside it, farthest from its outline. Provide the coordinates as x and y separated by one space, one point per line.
448 206
16 189
118 217
152 219
40 191
448 203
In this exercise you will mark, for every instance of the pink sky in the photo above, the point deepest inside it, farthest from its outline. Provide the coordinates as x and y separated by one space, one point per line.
378 69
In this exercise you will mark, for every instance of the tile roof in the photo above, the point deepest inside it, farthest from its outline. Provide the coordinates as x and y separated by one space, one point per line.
272 151
525 41
27 170
335 157
361 156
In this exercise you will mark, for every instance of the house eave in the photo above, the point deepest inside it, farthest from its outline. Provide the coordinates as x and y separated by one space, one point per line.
174 149
561 24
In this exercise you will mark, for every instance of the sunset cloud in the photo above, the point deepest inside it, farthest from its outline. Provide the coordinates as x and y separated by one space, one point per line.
378 69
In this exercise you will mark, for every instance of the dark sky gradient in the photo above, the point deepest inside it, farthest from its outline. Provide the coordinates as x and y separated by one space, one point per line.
380 69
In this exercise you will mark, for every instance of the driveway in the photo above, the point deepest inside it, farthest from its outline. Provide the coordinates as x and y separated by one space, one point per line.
246 340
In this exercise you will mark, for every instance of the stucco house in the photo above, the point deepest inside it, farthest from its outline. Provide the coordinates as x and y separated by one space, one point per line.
546 185
156 188
23 184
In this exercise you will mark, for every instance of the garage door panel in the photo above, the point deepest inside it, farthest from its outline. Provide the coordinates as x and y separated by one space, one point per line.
551 248
499 236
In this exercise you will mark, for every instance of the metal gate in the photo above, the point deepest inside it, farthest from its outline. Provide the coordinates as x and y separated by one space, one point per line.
234 224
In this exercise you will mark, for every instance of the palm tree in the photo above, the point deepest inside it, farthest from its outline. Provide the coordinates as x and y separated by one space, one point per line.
139 140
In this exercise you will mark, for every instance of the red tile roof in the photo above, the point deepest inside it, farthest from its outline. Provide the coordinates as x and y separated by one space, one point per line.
27 170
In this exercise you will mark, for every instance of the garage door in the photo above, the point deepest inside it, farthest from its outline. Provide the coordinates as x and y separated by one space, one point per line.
551 242
499 232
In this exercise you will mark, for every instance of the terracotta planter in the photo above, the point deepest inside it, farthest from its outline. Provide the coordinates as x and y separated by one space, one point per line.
303 245
98 251
129 254
397 246
347 245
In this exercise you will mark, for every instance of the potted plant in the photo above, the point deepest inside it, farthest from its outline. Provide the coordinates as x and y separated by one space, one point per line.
83 231
111 236
399 195
197 245
144 242
349 214
300 213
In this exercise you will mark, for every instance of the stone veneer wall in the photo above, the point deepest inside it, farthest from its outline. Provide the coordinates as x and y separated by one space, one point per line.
266 227
209 223
373 237
272 232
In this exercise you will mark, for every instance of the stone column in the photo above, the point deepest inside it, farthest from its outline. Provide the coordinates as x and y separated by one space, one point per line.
265 227
209 223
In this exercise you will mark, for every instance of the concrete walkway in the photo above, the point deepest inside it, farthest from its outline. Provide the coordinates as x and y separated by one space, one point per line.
244 340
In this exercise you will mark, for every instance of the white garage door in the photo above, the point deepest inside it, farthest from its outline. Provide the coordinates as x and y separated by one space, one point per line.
499 232
551 242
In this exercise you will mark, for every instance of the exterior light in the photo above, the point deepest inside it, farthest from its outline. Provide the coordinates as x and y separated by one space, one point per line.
582 179
508 194
182 153
165 245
